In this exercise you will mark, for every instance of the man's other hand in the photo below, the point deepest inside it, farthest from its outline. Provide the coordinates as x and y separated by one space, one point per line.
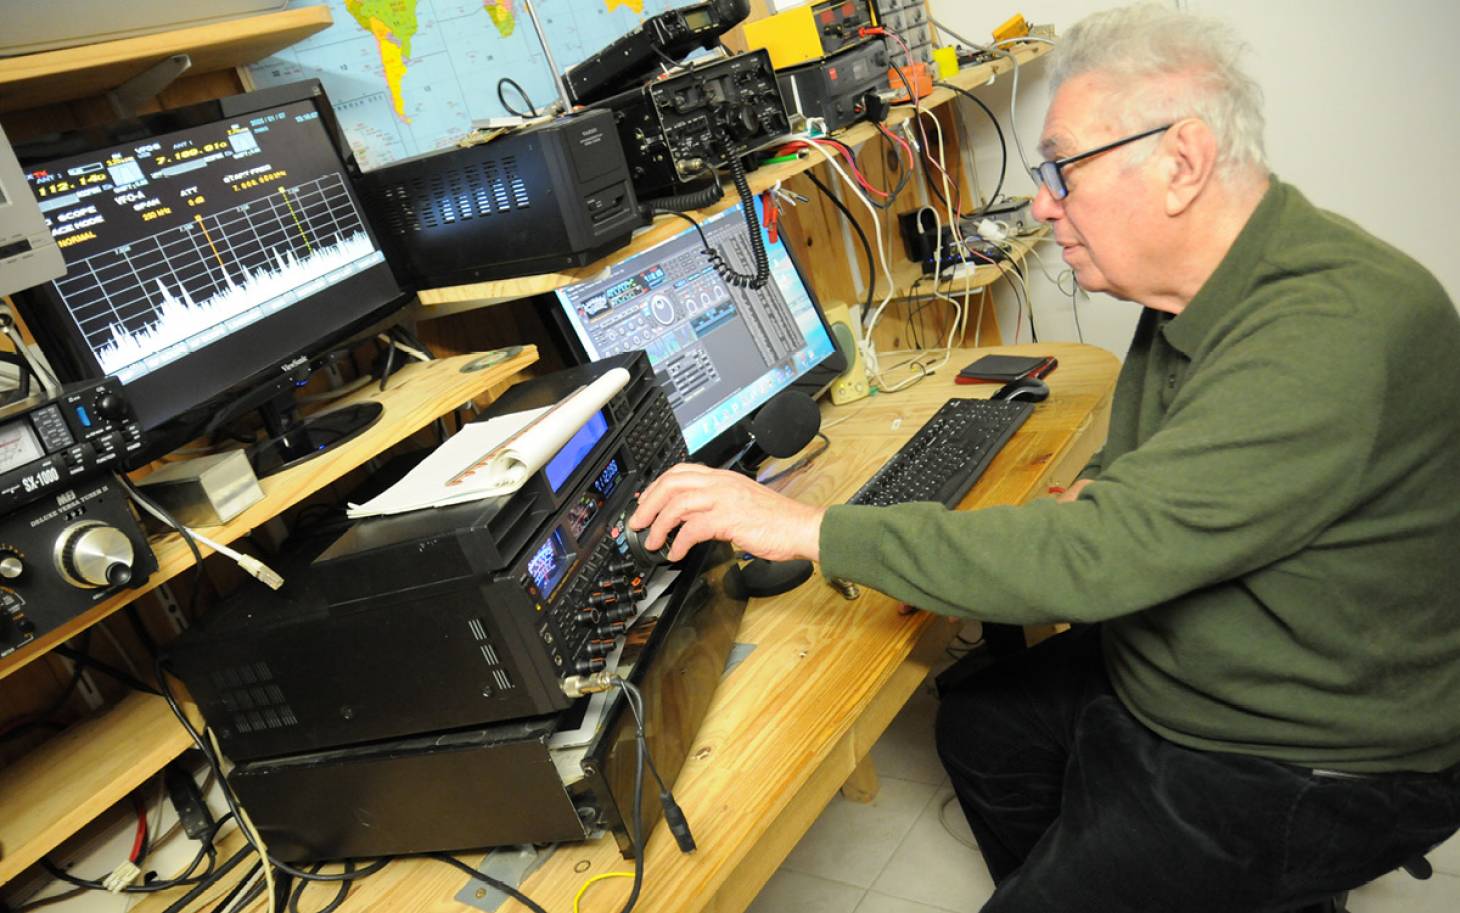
1073 491
715 504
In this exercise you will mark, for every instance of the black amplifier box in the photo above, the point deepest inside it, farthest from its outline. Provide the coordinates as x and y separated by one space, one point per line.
839 89
544 199
676 130
450 617
540 780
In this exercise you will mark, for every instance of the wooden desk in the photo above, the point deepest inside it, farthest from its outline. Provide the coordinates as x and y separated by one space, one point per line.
792 723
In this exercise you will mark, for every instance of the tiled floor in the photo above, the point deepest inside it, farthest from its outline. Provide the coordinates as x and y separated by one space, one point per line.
894 855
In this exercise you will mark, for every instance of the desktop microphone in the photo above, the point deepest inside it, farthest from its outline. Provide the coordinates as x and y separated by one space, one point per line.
786 424
782 428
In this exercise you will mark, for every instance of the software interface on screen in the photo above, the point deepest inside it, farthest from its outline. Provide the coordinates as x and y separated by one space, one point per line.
719 351
181 240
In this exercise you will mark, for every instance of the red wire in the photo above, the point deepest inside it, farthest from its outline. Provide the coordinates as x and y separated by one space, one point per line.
846 153
140 840
911 159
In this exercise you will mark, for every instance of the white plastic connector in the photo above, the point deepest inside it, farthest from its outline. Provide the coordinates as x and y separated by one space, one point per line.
992 231
123 876
260 571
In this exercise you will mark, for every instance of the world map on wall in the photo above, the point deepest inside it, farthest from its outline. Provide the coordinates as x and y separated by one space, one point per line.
409 76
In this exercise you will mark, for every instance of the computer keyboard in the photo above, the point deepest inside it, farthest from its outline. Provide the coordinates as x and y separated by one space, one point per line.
947 455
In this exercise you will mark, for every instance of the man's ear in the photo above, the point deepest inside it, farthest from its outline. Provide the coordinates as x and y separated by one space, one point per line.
1190 148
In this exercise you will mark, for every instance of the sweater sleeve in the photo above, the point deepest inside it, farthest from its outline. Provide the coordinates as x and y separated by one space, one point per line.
1093 467
1256 454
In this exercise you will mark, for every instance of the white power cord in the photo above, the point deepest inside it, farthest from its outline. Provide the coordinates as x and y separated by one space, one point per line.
248 563
864 340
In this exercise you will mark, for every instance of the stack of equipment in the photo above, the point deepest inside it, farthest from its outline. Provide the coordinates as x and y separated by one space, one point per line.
424 668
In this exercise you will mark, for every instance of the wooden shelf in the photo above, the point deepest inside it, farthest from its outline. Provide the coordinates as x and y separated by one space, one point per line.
906 273
33 80
57 789
417 395
439 302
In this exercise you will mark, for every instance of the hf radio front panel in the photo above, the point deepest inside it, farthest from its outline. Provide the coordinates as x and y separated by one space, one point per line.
676 130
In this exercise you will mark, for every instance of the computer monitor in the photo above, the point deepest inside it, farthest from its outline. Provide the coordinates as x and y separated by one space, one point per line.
720 351
211 252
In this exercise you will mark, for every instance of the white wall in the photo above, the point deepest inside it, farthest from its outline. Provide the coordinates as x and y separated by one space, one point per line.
1361 104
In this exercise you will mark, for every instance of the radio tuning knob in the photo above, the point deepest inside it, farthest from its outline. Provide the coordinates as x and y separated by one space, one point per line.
111 407
11 565
92 554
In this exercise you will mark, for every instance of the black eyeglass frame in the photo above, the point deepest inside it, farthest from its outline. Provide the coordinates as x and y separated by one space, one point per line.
1051 174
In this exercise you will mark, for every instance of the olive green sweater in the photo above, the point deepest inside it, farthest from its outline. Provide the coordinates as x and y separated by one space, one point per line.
1272 539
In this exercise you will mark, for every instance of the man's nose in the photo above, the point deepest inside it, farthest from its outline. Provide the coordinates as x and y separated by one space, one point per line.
1045 207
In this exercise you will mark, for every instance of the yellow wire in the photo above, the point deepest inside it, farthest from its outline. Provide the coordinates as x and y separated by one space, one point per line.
246 823
589 883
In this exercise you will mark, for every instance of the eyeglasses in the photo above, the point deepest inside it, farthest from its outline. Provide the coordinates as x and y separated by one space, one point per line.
1051 174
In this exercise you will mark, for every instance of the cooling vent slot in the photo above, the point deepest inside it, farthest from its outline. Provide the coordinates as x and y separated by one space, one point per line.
255 700
475 191
500 678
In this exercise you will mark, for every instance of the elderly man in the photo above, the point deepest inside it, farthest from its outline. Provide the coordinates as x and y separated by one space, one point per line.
1265 706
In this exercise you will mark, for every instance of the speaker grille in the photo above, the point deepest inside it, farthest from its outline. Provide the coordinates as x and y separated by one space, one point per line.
474 191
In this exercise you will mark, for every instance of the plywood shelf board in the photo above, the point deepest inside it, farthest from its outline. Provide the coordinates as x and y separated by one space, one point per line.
52 792
32 80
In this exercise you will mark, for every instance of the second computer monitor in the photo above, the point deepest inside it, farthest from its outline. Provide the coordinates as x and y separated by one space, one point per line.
719 351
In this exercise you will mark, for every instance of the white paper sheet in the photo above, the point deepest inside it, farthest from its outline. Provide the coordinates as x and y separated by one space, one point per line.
493 458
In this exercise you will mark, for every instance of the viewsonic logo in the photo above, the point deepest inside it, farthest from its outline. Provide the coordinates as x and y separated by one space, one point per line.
290 365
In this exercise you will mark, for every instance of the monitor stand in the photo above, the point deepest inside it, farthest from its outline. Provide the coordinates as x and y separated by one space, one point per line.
293 439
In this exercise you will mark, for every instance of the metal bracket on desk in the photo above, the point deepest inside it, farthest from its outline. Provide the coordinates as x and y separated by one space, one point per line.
510 865
125 98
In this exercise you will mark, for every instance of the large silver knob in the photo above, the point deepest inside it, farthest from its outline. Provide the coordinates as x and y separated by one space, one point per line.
93 554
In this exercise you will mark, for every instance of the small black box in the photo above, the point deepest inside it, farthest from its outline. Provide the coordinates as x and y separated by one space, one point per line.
836 87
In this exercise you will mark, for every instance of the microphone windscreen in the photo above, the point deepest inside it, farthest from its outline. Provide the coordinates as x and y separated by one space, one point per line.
786 424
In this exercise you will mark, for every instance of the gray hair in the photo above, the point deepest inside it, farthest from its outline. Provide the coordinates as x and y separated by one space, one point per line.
1140 45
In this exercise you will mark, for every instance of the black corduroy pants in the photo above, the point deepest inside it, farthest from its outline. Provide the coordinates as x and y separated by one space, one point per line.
1076 806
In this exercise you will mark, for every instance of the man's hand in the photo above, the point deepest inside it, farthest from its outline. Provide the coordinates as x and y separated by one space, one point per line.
715 504
1073 491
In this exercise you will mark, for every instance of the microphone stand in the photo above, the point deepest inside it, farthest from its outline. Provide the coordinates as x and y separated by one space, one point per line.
762 577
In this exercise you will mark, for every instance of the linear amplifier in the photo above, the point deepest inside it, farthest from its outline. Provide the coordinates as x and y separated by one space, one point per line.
544 199
452 617
538 780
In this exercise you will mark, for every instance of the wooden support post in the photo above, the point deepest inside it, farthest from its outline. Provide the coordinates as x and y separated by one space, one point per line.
862 785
